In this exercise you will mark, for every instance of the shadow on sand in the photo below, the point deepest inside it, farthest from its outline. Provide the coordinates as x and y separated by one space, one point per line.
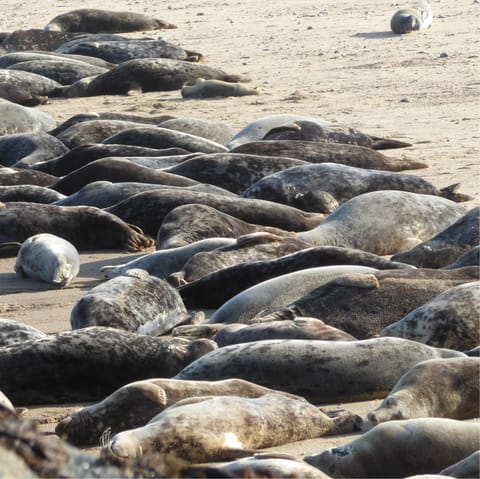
375 35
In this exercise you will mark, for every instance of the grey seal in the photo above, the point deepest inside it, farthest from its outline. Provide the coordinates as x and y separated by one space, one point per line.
89 363
29 193
33 83
320 371
135 302
417 16
467 467
201 88
385 222
24 176
12 58
433 388
19 95
134 404
22 119
48 258
93 20
13 332
387 449
470 258
449 320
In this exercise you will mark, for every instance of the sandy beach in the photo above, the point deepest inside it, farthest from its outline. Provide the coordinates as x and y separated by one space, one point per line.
333 60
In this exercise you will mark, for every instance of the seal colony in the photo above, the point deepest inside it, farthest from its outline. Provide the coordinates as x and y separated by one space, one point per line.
173 387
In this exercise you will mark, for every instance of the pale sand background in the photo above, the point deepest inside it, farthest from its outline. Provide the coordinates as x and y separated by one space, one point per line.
332 59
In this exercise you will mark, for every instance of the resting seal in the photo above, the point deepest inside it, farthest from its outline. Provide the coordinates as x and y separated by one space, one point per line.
418 16
48 258
23 176
468 467
201 88
21 119
29 193
12 332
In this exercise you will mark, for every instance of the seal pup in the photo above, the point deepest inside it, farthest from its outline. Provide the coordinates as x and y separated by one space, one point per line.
134 404
116 170
212 286
135 302
85 227
13 332
363 304
468 467
166 261
314 152
89 363
447 245
417 16
320 371
279 291
201 88
221 427
22 119
396 221
23 176
154 74
449 320
470 258
433 388
93 20
49 258
148 209
387 449
30 194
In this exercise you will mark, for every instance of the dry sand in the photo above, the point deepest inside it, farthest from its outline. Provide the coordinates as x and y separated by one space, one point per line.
335 60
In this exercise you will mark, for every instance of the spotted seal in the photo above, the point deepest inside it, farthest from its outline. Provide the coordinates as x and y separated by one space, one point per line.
89 363
134 404
221 427
433 388
417 16
29 193
48 258
201 88
366 369
12 332
449 320
21 119
93 20
386 449
85 227
396 221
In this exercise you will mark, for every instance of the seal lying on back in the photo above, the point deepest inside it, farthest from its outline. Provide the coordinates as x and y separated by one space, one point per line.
385 222
134 404
87 364
135 302
388 449
446 246
226 426
94 20
434 388
449 320
48 258
320 371
418 16
83 226
362 305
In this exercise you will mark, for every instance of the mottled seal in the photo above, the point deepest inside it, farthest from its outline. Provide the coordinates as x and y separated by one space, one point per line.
388 450
34 83
320 371
19 95
22 119
116 170
48 258
134 404
148 209
12 332
445 247
449 320
93 20
88 364
226 426
154 74
85 227
135 302
417 16
23 176
211 290
396 221
164 262
201 88
467 467
433 388
314 152
470 258
301 186
29 193
362 305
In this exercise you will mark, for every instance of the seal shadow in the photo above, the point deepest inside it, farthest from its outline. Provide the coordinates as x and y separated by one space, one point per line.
375 35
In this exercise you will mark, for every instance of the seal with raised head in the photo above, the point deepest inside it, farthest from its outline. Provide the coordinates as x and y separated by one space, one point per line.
48 258
434 388
385 222
320 371
449 320
201 88
226 426
88 364
417 16
93 20
134 404
388 449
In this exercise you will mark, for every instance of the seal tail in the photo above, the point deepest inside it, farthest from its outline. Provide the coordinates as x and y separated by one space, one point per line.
451 193
387 143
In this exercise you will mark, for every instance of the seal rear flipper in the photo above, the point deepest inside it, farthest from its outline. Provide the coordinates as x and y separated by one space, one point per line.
451 193
387 143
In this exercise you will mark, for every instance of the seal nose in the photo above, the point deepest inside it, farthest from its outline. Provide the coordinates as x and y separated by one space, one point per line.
372 417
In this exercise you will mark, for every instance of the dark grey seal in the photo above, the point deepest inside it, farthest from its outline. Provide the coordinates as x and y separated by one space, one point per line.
445 247
29 193
36 39
16 118
470 258
23 176
34 83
